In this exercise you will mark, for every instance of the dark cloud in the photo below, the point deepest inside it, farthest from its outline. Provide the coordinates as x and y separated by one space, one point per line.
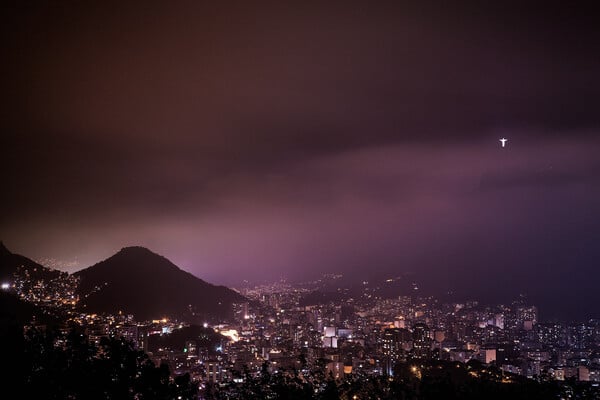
247 140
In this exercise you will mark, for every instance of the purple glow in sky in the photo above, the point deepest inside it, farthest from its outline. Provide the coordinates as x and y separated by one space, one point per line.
279 140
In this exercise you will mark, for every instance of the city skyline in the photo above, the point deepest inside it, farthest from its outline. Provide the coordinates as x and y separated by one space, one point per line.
279 340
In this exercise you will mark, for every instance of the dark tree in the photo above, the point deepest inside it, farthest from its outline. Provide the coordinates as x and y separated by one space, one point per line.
68 366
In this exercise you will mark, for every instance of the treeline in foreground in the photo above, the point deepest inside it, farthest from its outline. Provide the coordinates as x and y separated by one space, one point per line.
52 364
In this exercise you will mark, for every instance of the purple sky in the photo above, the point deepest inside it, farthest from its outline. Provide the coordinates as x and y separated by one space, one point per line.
267 141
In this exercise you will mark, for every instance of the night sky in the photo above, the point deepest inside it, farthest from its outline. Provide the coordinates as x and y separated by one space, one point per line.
261 141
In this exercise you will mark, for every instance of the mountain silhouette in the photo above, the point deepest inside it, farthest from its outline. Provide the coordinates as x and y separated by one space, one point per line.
11 264
139 282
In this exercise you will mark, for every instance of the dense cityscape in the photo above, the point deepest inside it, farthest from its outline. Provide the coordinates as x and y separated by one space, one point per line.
279 331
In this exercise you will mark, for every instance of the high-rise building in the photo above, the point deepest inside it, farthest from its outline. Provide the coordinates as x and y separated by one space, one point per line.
389 343
487 355
214 371
421 341
392 344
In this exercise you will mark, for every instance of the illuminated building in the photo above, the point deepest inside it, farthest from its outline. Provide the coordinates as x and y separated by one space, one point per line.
214 371
421 341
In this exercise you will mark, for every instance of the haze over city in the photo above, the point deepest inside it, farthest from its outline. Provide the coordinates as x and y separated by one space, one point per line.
268 141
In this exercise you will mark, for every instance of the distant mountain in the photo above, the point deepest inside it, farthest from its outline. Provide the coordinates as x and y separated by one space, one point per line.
139 282
11 264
